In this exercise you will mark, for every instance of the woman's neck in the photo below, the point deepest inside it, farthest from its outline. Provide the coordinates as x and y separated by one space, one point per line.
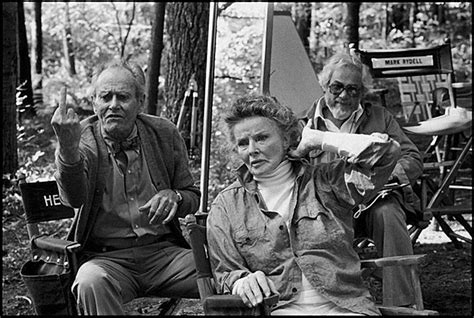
281 174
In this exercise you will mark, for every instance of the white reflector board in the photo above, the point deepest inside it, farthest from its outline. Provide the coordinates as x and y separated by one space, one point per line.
292 79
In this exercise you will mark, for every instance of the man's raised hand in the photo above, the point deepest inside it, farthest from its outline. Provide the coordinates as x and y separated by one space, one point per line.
67 127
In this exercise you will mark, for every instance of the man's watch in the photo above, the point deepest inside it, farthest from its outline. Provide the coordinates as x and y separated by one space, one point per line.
180 197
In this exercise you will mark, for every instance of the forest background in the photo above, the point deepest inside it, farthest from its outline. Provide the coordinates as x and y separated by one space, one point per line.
60 43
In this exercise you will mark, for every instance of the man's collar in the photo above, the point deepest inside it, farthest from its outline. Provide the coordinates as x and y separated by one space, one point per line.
320 105
114 146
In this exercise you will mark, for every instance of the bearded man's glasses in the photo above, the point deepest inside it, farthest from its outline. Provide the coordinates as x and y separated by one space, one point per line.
336 88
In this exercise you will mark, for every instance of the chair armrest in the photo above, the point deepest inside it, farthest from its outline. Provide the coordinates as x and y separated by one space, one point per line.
405 311
461 85
225 301
233 304
403 260
55 244
271 300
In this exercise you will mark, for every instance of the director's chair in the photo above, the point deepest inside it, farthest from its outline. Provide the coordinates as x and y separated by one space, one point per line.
214 304
49 273
434 96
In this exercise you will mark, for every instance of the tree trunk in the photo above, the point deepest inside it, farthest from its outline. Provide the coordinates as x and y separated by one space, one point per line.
301 12
9 75
67 43
352 23
39 39
186 25
153 70
24 68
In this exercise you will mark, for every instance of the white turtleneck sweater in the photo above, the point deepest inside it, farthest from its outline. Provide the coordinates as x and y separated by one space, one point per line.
277 188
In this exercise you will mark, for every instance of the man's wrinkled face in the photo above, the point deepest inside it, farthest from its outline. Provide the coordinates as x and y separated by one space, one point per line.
116 102
344 92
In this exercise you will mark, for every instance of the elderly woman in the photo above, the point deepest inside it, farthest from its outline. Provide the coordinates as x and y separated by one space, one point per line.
285 226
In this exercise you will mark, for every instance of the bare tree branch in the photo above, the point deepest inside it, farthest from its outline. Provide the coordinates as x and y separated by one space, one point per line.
130 23
97 28
118 22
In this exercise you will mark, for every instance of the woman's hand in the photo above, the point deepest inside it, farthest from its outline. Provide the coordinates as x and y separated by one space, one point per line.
253 288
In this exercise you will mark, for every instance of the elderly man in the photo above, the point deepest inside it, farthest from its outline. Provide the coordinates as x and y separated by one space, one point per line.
127 173
344 80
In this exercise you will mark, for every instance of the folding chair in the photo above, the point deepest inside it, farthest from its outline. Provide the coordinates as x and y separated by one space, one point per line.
447 158
451 126
435 89
50 272
214 304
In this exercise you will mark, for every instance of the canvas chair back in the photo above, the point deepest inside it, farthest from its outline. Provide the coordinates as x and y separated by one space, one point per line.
49 273
418 71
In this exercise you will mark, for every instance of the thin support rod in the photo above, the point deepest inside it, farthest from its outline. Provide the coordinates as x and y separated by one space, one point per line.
438 196
267 50
208 96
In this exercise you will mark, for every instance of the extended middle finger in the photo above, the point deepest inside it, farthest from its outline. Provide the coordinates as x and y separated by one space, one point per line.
62 100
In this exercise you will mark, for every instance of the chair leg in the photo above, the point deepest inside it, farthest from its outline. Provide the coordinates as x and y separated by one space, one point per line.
447 230
416 287
415 234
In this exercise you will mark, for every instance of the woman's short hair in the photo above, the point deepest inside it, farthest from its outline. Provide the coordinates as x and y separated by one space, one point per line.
344 59
263 106
134 69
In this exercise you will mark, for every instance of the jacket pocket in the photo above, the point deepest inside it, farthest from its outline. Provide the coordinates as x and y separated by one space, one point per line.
317 228
255 246
248 238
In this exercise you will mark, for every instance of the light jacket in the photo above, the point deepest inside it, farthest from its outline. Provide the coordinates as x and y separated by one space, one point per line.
244 237
408 168
81 185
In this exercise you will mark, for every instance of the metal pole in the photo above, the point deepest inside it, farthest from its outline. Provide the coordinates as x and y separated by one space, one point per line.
208 96
267 50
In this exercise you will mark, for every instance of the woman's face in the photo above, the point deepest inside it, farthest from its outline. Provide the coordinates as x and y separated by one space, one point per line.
260 144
